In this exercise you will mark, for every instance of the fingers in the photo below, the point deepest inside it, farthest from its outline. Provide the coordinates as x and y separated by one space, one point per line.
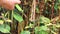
8 7
17 1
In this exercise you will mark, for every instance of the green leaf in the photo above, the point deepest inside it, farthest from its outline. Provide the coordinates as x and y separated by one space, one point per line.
18 17
56 6
30 25
44 20
25 32
5 28
37 9
45 28
37 29
19 8
41 30
59 1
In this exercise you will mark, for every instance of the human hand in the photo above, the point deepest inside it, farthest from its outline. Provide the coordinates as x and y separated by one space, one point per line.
9 4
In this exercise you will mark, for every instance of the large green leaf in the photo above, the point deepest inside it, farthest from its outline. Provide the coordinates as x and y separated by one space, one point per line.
25 32
5 28
18 17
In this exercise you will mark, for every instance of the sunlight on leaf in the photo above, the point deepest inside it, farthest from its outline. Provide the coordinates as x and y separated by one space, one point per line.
19 8
59 7
8 20
1 21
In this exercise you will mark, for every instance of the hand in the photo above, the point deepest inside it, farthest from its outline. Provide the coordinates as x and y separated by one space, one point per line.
9 4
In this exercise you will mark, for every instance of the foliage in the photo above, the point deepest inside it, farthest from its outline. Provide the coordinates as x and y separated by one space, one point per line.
41 30
25 32
5 28
45 18
18 17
